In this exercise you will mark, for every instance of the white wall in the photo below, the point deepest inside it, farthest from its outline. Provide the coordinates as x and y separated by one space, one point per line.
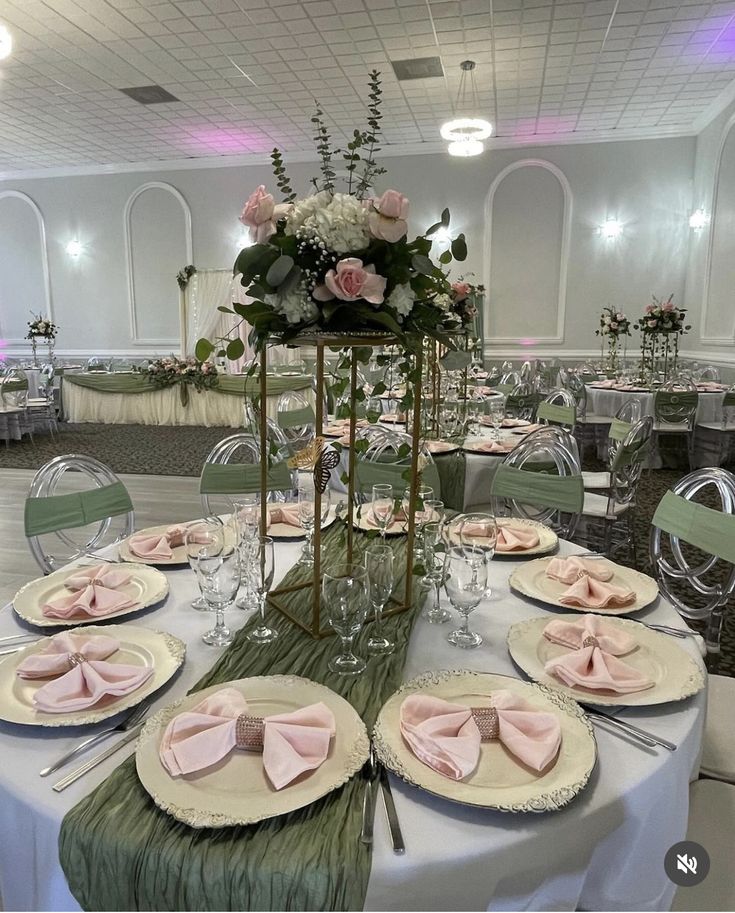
645 184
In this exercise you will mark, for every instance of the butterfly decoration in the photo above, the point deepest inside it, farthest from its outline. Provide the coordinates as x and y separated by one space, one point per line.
326 462
309 456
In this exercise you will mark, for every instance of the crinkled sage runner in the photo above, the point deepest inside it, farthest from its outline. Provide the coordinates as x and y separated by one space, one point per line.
120 852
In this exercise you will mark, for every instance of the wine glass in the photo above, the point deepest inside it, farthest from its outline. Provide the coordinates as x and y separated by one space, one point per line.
307 514
344 591
201 532
479 531
217 567
465 581
379 567
496 413
433 542
382 506
263 568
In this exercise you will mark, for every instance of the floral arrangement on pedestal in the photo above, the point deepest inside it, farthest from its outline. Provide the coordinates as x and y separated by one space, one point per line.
661 326
186 372
338 262
41 328
614 325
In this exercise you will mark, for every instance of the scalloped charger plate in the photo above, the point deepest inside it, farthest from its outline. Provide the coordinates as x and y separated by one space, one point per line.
237 791
138 647
674 673
178 557
548 539
499 781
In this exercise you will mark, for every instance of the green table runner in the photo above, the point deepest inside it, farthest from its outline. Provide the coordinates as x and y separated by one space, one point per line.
227 383
452 468
119 852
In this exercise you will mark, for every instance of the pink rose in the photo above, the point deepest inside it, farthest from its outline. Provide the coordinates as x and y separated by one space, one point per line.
668 306
261 213
387 216
350 281
649 308
461 290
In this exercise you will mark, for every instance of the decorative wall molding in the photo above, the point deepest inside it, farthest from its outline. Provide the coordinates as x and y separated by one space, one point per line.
704 339
18 195
561 306
130 268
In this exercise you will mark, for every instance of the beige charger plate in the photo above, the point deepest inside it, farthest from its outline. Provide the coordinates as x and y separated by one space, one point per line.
674 673
237 791
280 531
500 781
548 540
179 555
531 580
147 586
158 650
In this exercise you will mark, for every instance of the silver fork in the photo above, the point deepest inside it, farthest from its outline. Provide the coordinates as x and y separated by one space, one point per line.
135 716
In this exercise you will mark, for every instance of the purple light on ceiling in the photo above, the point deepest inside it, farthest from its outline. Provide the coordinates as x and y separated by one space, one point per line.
219 141
527 341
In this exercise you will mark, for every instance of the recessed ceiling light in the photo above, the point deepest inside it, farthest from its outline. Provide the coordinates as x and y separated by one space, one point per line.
74 248
611 228
6 42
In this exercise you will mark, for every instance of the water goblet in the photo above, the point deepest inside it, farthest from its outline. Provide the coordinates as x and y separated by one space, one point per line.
344 591
496 412
433 543
202 532
479 531
382 506
218 576
263 568
465 581
307 514
379 567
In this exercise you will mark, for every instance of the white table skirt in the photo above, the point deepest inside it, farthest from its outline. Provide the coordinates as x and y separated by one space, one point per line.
607 402
604 851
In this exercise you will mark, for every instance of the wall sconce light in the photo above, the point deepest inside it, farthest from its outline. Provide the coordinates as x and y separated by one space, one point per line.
6 42
74 249
698 220
442 236
243 240
611 229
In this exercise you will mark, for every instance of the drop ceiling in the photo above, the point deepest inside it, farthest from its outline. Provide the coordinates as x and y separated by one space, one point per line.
245 73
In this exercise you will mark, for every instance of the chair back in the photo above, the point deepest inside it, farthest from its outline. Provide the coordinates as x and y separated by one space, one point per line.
675 407
620 427
13 388
630 411
233 468
553 495
510 377
296 419
387 459
710 372
558 408
76 505
521 402
728 408
698 580
627 462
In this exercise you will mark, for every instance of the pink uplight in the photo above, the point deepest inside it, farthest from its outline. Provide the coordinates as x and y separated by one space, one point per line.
220 141
527 341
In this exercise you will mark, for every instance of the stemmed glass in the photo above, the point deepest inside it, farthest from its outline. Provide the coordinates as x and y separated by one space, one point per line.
382 506
496 413
379 567
344 591
307 509
479 531
217 567
434 565
262 575
465 580
247 517
202 532
424 493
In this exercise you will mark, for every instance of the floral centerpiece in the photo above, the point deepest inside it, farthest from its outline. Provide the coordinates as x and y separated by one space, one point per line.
614 325
41 328
186 372
661 326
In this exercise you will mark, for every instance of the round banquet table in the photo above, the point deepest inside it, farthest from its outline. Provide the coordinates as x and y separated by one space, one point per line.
606 402
603 851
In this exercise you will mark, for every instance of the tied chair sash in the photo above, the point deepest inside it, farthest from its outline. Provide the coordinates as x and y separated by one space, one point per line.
295 418
710 530
619 429
671 406
371 472
242 478
504 388
728 399
566 493
56 512
559 414
628 455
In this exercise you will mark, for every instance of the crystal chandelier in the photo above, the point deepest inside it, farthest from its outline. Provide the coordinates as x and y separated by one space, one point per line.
465 135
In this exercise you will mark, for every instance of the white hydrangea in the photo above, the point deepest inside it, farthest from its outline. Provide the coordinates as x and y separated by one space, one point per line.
402 299
339 220
295 305
443 301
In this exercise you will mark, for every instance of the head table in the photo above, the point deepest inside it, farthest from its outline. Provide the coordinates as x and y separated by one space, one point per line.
603 851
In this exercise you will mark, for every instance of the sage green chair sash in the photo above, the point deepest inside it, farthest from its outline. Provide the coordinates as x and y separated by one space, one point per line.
626 456
522 401
56 512
294 418
710 530
242 478
619 430
372 472
670 406
13 386
559 414
504 388
566 493
729 399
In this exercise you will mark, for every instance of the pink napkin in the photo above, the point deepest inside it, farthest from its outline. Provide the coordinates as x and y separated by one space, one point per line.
491 446
291 742
447 737
588 578
159 546
288 514
396 417
514 423
515 538
399 517
94 594
604 384
592 662
567 570
527 429
81 678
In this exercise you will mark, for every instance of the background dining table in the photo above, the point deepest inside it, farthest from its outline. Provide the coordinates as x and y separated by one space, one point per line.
604 850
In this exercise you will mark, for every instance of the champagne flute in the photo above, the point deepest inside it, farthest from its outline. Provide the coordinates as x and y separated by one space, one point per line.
199 533
344 590
247 517
263 570
433 540
382 506
379 567
496 412
465 581
307 514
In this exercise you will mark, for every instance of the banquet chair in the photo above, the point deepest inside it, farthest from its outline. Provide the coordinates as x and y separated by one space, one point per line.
725 429
553 496
709 373
296 419
558 408
674 412
59 513
620 425
387 459
521 402
510 377
233 468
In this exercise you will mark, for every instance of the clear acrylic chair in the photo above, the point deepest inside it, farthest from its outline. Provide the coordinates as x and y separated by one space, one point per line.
296 419
521 402
675 413
558 408
692 549
387 459
620 426
76 506
541 480
724 430
710 373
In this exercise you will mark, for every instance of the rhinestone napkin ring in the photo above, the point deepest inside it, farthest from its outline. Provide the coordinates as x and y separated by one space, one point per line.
487 722
76 659
590 642
249 732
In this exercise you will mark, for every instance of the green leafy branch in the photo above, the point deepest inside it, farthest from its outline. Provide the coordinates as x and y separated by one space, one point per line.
325 151
282 179
370 137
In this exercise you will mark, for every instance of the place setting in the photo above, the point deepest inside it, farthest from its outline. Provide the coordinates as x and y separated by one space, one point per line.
511 537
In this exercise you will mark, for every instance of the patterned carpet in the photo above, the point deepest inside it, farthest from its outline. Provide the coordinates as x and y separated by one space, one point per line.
171 450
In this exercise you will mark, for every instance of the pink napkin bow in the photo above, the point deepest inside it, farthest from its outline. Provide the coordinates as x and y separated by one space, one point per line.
447 737
567 570
292 743
288 514
588 579
515 538
493 446
592 662
159 546
81 678
94 593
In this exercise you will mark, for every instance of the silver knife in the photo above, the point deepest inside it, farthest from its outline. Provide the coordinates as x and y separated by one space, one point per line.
97 759
368 801
641 734
396 836
18 647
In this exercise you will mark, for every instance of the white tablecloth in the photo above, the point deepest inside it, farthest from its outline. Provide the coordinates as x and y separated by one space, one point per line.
607 402
604 851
